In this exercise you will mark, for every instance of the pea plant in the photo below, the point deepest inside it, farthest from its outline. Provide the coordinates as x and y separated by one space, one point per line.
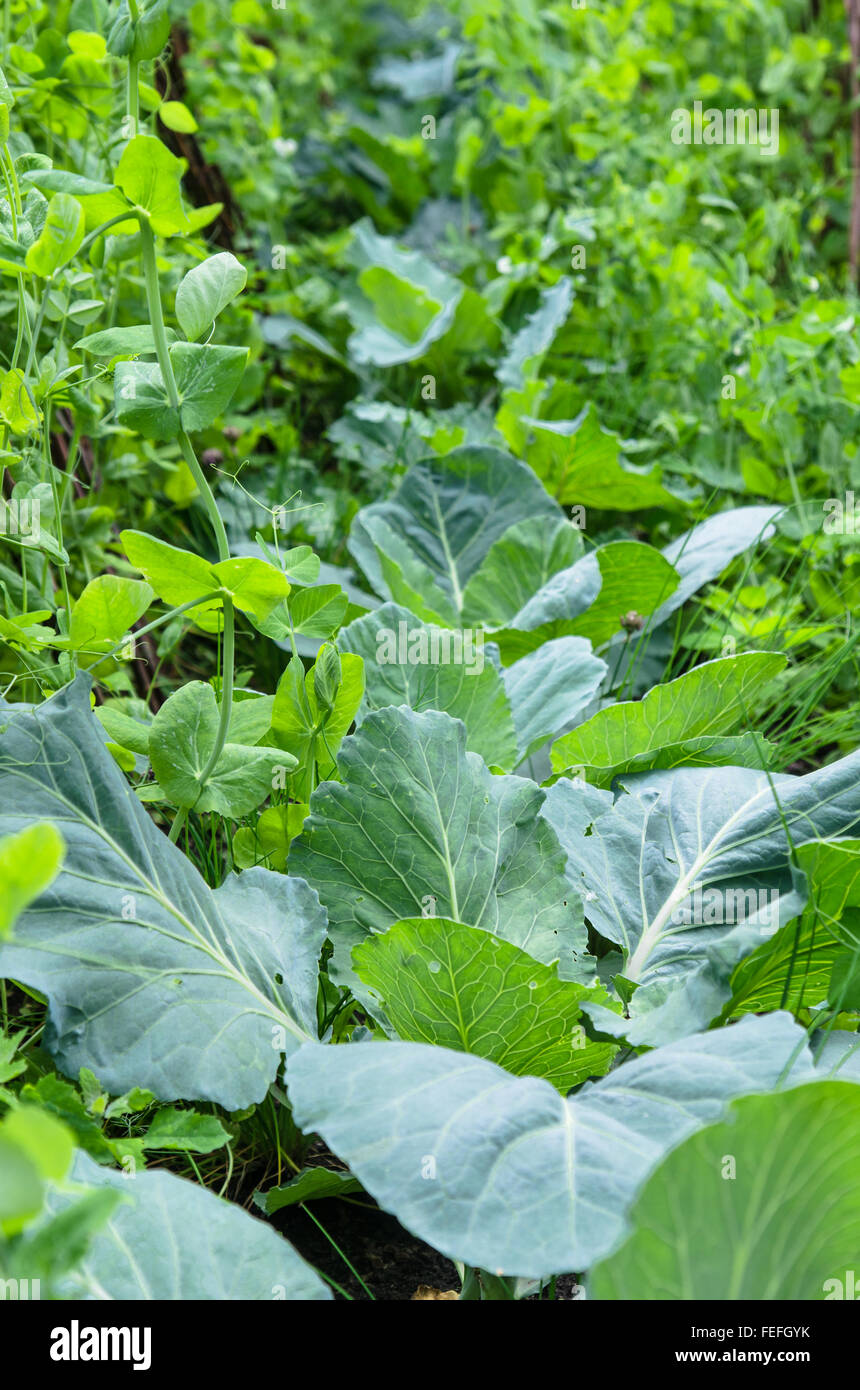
476 860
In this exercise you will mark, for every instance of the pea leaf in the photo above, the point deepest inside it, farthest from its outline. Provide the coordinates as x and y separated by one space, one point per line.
16 406
141 401
29 862
176 575
176 116
206 290
150 177
59 238
108 607
181 739
142 38
307 732
206 378
179 576
119 342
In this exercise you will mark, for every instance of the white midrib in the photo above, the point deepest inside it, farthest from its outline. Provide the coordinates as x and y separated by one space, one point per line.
208 947
654 931
452 569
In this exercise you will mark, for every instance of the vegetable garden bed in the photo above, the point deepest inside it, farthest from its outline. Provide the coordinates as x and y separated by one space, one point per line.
429 771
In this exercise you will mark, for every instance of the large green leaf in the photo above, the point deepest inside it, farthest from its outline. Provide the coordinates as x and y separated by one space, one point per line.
398 651
417 821
516 566
701 554
710 701
529 346
590 598
152 978
765 1205
579 464
837 1056
550 688
169 1239
688 871
436 981
407 303
421 548
795 968
501 1171
791 970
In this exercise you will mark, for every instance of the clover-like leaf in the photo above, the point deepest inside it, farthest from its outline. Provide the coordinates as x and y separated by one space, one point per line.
206 290
151 178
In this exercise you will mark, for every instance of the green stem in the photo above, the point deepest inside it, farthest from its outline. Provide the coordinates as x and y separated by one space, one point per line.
14 195
99 231
158 622
133 99
156 318
58 519
40 316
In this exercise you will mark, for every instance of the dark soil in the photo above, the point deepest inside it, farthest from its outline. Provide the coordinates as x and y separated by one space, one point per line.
392 1263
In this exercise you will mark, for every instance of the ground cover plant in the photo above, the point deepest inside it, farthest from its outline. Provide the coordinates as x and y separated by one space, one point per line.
429 739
